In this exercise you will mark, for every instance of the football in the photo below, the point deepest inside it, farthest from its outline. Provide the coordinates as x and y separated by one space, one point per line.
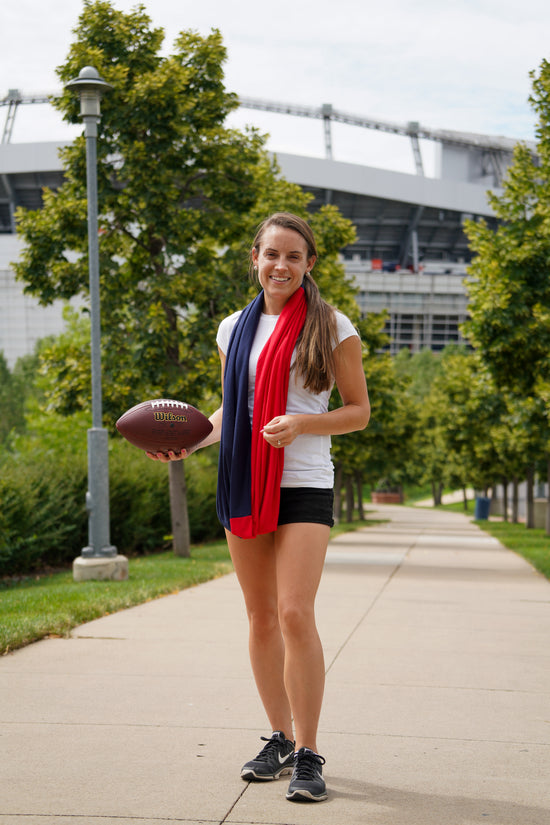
162 424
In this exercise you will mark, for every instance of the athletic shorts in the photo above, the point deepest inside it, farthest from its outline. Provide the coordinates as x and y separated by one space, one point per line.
306 504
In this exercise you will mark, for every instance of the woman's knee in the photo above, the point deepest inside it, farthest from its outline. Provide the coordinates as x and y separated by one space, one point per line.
263 622
297 620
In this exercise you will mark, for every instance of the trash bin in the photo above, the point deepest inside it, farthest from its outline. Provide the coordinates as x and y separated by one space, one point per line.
482 507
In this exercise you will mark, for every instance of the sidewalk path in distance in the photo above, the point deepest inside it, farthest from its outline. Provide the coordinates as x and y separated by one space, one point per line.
437 705
447 498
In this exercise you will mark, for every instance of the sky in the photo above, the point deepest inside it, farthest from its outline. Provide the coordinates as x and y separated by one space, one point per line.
463 66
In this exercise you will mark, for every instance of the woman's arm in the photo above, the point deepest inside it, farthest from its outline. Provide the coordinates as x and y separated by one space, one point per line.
213 437
354 413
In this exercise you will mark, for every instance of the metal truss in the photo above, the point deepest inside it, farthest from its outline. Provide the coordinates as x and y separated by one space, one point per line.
13 100
495 152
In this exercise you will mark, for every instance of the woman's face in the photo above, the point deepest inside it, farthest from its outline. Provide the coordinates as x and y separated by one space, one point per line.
282 259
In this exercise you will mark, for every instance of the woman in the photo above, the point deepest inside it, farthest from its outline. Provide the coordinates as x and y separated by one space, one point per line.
280 358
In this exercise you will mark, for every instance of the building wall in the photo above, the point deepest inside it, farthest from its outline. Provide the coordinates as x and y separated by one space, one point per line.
23 321
389 209
425 309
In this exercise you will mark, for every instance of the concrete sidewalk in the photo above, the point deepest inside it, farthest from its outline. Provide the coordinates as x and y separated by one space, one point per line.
437 706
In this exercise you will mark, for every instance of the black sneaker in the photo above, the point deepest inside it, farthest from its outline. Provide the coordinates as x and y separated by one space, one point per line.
275 759
307 783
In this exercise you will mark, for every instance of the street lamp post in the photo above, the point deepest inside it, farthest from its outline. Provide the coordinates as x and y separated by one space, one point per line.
99 560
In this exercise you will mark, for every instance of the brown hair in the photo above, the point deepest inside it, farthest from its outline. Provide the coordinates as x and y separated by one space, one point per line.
314 349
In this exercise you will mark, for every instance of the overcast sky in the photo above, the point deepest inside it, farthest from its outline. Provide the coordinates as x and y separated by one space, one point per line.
462 66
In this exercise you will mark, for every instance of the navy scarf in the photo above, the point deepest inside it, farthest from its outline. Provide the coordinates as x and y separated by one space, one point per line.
250 469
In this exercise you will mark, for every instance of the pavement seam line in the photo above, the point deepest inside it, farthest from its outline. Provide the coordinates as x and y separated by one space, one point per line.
238 799
373 603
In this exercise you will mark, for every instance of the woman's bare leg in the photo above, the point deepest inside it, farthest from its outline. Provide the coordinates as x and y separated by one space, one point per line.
300 554
254 563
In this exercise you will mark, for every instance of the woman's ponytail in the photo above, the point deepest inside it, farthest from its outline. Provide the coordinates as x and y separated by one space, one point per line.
314 350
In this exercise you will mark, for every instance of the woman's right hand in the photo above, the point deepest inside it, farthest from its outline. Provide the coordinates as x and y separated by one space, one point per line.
171 455
213 438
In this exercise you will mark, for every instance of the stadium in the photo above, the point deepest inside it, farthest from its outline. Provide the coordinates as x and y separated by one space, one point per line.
411 254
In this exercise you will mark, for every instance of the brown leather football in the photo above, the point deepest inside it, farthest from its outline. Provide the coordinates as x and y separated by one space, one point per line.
163 424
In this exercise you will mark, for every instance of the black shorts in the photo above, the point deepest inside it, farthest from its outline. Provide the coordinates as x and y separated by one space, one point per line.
313 505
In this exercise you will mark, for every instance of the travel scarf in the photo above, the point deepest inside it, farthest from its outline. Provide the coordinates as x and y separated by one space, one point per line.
250 469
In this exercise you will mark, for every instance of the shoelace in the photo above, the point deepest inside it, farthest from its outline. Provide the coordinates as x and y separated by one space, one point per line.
307 765
267 750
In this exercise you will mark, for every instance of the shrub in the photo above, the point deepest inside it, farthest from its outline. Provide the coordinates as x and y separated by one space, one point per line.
43 520
140 500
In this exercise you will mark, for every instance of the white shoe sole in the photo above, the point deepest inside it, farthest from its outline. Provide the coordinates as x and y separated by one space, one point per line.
252 776
306 796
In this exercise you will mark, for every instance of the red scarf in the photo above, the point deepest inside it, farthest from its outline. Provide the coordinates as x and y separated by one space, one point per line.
255 510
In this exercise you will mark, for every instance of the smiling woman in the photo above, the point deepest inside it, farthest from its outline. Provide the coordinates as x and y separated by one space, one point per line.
281 265
281 355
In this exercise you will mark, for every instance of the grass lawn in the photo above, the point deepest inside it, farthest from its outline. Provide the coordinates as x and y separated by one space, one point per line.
533 545
52 605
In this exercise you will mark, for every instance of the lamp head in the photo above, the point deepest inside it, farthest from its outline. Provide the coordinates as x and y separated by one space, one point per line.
90 87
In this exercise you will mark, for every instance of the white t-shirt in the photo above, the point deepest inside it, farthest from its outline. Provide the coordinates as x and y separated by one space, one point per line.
307 460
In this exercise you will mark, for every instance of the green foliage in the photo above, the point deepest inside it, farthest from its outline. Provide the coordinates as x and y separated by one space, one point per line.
509 286
43 481
419 369
12 400
180 196
64 372
173 185
471 432
383 449
42 518
459 411
510 290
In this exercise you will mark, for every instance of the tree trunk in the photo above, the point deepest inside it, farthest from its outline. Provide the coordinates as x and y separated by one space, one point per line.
359 484
338 477
548 495
181 539
437 492
338 493
349 497
515 500
465 499
505 499
530 518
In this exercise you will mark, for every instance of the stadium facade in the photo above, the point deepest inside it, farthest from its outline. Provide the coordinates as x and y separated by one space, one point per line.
410 257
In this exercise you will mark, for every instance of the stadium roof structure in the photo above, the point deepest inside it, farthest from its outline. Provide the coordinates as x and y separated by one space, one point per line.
401 219
411 253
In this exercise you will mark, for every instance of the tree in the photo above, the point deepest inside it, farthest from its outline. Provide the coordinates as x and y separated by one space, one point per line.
351 453
12 401
471 432
509 288
383 449
420 368
516 436
428 460
179 196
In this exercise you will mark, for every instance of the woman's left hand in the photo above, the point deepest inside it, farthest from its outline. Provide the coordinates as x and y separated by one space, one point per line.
281 430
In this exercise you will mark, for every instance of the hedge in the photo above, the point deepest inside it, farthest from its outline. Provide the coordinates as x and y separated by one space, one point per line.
44 523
